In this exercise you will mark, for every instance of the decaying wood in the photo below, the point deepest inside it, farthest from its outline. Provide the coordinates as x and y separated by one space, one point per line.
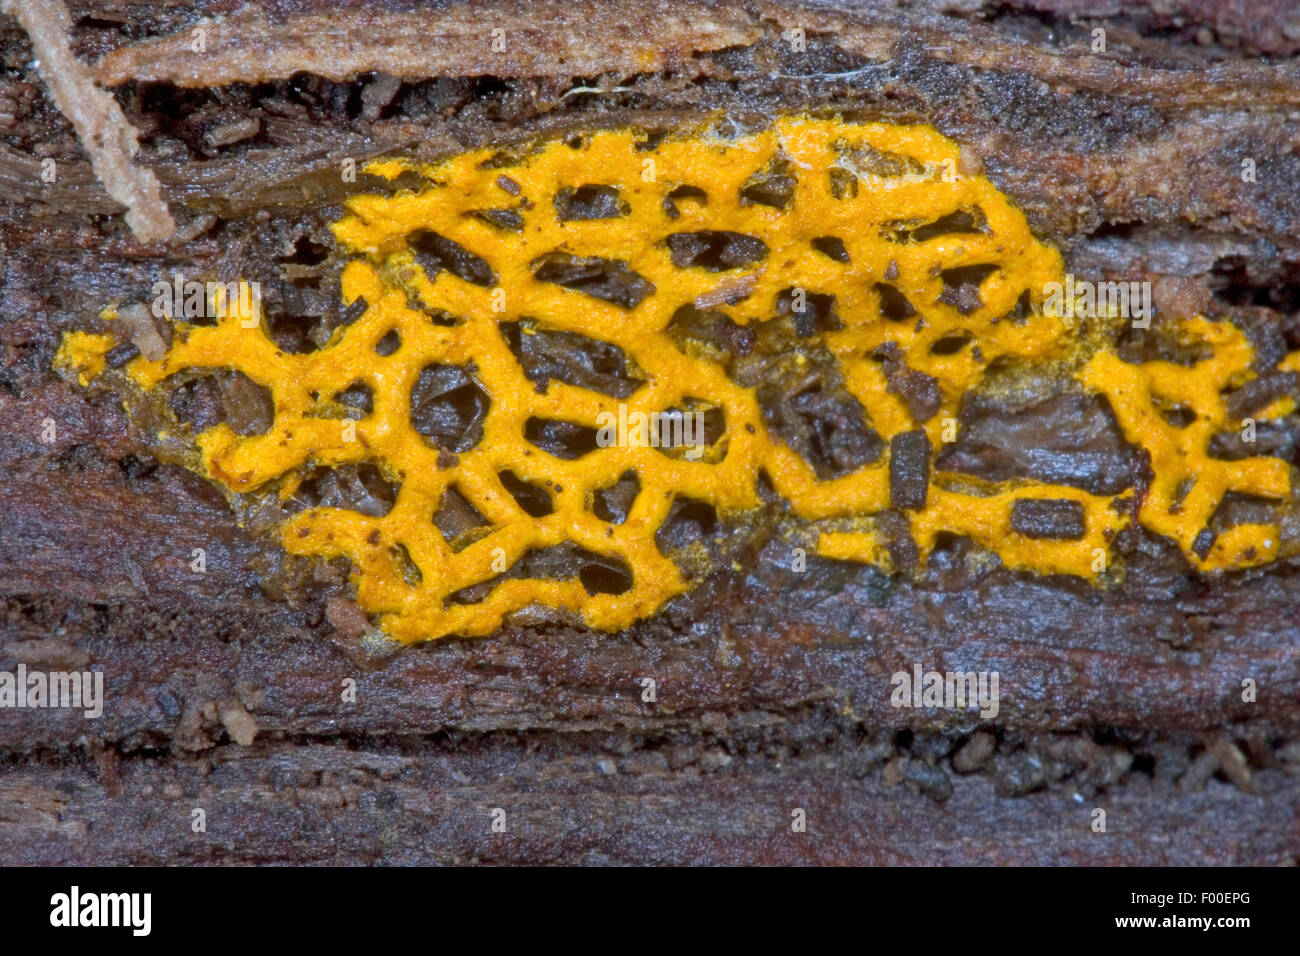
771 686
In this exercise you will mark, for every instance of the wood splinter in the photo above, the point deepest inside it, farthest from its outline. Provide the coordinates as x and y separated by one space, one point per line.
109 140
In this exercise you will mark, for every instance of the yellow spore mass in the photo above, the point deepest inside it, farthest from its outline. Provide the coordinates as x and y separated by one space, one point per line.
914 252
1188 484
83 354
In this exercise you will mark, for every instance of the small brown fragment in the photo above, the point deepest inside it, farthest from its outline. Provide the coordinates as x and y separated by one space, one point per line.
1203 543
1233 763
377 94
1261 391
1054 518
138 322
903 550
919 390
239 723
893 774
235 131
969 162
106 763
1200 773
931 780
975 752
728 292
120 354
346 617
909 469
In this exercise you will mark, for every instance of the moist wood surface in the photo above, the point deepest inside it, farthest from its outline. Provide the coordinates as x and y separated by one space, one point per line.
772 686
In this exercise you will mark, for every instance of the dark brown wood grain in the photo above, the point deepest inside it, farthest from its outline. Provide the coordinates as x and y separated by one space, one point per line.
772 686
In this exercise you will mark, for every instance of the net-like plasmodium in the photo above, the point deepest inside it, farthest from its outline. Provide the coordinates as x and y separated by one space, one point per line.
871 238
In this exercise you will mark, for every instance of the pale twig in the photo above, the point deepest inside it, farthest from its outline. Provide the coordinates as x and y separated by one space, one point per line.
109 140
